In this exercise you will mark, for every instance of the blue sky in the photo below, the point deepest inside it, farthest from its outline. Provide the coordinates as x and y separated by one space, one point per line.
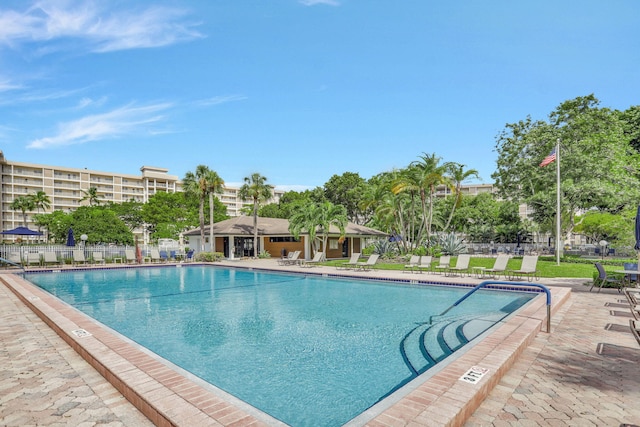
298 90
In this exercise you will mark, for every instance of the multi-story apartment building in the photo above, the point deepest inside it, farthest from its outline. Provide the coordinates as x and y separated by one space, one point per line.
66 187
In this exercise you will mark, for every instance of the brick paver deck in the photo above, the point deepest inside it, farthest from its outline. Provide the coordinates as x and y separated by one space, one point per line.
586 372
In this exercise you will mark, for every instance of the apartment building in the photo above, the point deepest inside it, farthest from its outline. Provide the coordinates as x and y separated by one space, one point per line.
66 186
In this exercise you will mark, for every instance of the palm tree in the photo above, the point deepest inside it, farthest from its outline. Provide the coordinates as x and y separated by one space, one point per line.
92 196
41 202
214 185
196 184
318 217
24 204
255 189
458 175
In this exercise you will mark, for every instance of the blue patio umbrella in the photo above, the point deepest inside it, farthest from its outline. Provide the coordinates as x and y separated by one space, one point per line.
71 241
22 231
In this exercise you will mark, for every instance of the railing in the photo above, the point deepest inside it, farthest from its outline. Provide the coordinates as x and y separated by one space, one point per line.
496 282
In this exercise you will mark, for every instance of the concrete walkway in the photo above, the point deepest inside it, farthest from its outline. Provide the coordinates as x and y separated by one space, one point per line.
586 372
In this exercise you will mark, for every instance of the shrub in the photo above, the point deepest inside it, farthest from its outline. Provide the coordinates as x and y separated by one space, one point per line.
209 256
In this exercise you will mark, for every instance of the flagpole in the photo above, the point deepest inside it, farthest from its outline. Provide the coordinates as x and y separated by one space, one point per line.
559 245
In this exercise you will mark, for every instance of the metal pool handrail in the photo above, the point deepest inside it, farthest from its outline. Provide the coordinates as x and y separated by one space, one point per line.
497 282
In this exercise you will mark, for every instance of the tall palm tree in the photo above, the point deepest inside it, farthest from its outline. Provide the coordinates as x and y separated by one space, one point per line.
41 202
23 204
214 186
458 174
196 184
256 189
92 196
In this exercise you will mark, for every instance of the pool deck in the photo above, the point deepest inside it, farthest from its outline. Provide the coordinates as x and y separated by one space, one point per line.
584 373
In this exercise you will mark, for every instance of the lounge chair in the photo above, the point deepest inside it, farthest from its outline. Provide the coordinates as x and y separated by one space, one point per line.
369 263
499 267
164 257
155 255
462 265
98 258
15 258
443 263
292 260
635 329
425 263
50 258
317 258
413 263
189 256
33 258
130 256
604 278
633 296
351 263
78 257
527 268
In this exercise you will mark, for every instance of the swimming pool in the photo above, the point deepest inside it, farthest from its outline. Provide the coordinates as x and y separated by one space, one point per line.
308 350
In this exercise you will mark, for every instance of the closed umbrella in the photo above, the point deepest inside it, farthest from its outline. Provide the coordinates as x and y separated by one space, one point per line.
71 241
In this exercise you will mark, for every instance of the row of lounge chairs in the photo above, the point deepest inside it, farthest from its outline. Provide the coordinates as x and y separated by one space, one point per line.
354 262
528 269
633 296
79 258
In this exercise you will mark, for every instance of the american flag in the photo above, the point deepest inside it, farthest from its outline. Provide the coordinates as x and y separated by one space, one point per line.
549 159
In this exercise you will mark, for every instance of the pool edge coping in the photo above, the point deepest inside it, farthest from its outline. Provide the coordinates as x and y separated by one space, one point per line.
168 397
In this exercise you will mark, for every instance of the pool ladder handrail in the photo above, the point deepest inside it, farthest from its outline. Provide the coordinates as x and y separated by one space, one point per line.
498 282
6 261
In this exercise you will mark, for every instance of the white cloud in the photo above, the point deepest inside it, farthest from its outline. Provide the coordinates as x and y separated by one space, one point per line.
7 85
125 120
217 100
51 21
315 2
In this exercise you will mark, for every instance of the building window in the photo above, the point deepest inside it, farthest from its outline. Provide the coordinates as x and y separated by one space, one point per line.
284 239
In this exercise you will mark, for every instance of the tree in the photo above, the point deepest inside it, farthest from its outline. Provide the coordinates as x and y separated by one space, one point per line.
92 196
318 218
347 190
167 213
458 175
41 201
101 225
23 204
198 185
57 223
257 190
214 186
599 167
129 212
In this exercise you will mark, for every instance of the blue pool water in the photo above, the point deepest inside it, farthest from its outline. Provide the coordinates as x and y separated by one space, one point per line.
308 350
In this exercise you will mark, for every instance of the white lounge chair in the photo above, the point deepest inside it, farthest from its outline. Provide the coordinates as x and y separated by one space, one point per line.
462 265
98 258
443 264
351 263
413 263
293 259
528 268
78 257
425 263
33 258
130 256
155 255
499 267
50 258
317 258
369 263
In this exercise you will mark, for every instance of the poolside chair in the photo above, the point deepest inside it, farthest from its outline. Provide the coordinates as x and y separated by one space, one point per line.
603 278
631 279
632 295
155 255
425 263
369 263
528 268
130 256
78 257
317 258
293 260
164 257
285 260
351 263
443 263
15 258
635 329
461 267
98 258
499 267
413 263
32 258
189 256
50 258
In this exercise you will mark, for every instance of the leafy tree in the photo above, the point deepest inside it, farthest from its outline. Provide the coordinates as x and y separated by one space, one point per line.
257 190
41 201
57 223
101 225
172 212
129 212
458 175
599 167
23 204
631 125
92 196
347 190
614 228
